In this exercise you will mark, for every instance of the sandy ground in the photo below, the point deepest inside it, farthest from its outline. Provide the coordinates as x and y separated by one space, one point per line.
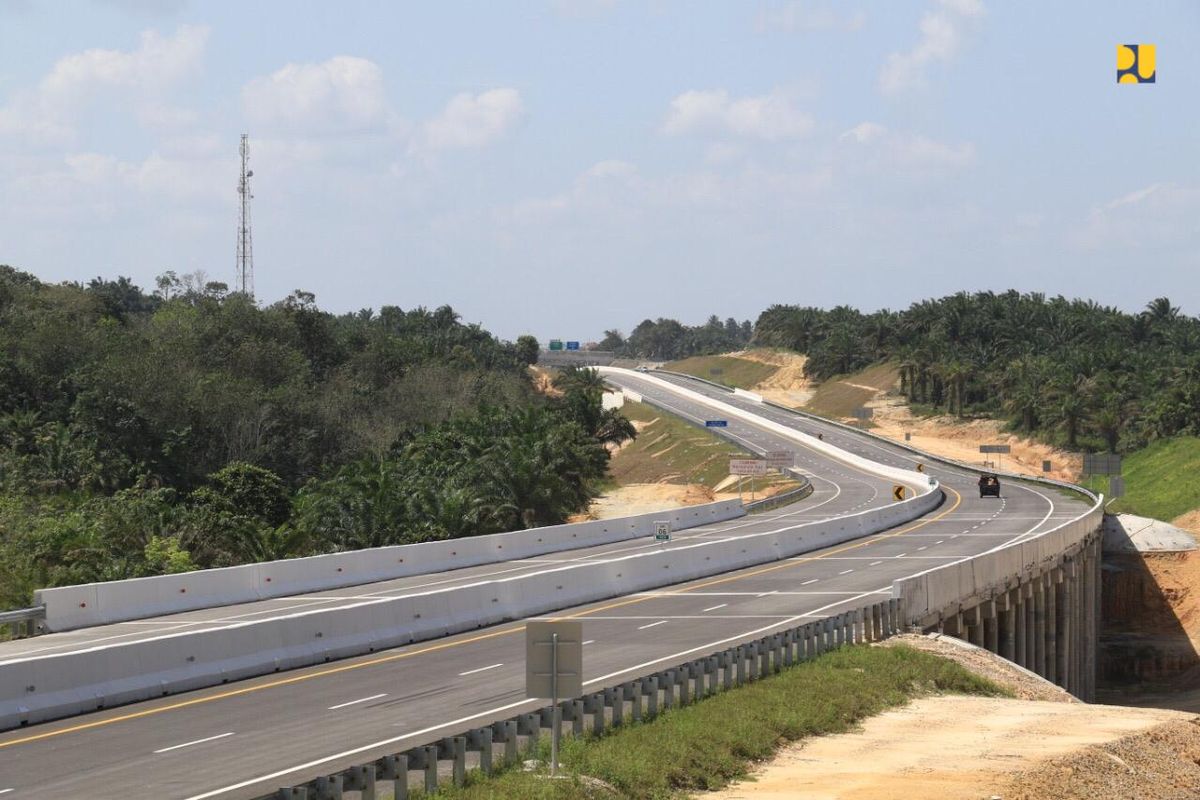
788 385
1044 745
964 747
642 498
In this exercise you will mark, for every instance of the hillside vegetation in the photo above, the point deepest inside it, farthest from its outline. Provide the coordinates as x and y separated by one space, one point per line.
737 373
1161 481
1071 371
148 433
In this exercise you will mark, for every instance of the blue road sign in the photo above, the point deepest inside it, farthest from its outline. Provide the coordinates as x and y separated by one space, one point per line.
572 345
716 423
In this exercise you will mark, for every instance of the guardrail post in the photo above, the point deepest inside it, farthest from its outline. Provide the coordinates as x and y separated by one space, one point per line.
360 778
431 764
480 740
765 646
634 693
459 744
292 793
614 698
395 769
577 714
685 677
594 705
740 665
531 725
329 787
727 668
650 690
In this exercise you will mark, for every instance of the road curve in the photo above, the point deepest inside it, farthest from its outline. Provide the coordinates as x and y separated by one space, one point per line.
246 738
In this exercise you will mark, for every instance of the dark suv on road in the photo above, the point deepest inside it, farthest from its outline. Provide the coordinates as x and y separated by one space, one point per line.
989 485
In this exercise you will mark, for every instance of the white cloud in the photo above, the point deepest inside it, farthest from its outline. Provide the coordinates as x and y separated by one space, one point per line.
80 80
1157 216
476 120
771 117
942 34
880 147
804 16
342 94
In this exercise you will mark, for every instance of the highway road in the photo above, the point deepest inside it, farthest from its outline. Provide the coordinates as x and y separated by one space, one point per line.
246 738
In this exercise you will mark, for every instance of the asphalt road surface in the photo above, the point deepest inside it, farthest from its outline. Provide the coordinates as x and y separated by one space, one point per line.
247 738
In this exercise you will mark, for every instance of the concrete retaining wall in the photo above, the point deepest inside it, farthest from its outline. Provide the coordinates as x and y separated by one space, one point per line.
41 688
71 607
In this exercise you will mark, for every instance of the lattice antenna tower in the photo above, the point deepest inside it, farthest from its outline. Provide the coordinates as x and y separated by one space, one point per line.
245 242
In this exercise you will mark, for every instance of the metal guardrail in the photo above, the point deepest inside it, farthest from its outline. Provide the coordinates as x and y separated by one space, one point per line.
781 499
639 699
23 622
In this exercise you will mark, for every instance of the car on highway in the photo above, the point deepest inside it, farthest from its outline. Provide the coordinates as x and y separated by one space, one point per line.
641 368
989 485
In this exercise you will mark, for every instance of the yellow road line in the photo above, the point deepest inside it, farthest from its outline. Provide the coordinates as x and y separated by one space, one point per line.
446 645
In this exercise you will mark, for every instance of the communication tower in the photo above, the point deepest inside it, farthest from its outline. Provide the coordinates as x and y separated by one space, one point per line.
245 243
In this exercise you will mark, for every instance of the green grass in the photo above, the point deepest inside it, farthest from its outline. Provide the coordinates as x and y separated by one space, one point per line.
736 373
717 740
1160 480
670 450
838 397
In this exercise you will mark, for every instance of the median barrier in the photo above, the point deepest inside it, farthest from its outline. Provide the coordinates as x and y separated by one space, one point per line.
109 674
71 607
751 396
916 480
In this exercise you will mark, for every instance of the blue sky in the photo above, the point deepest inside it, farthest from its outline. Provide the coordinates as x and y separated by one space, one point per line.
560 167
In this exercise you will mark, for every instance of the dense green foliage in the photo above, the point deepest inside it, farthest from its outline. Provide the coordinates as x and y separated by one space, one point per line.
706 745
149 433
1069 370
666 339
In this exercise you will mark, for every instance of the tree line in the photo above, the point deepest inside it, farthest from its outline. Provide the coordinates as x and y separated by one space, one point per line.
1070 371
668 339
151 432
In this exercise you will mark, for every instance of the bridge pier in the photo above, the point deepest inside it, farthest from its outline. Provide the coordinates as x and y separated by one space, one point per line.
1045 619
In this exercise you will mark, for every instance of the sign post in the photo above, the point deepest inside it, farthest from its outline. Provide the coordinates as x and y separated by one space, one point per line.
998 449
554 667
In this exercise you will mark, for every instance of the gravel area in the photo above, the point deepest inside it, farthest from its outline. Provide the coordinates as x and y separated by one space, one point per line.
1161 763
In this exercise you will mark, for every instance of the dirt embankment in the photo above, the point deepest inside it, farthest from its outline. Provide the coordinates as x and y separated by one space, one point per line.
1046 747
788 385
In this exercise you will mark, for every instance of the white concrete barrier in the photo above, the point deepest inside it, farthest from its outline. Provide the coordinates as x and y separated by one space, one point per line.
71 607
39 688
929 592
917 481
751 396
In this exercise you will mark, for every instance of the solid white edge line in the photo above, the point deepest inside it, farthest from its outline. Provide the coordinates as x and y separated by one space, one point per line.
499 709
480 669
355 702
189 744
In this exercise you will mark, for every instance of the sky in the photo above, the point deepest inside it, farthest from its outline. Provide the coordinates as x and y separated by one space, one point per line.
563 167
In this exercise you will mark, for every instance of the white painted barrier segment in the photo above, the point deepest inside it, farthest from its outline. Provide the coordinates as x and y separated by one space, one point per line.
71 607
933 590
752 396
38 688
917 481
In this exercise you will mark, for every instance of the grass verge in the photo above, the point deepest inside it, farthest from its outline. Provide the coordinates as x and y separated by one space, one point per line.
736 373
1159 479
710 743
838 397
670 450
